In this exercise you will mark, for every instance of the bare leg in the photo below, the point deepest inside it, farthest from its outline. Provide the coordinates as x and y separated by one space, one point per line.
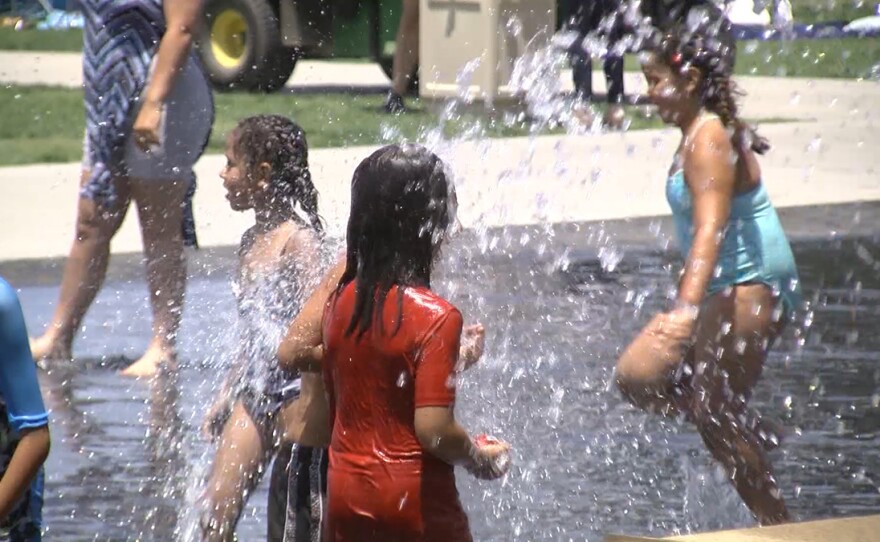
728 365
725 369
160 211
241 458
84 271
406 51
647 371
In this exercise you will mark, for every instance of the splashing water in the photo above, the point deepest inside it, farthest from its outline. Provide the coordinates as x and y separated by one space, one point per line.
558 298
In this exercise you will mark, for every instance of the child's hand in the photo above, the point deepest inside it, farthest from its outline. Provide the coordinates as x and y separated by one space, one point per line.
215 419
492 459
681 321
676 326
473 341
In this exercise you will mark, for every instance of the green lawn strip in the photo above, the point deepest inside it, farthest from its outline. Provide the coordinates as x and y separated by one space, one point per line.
41 40
805 12
836 58
852 58
45 124
823 11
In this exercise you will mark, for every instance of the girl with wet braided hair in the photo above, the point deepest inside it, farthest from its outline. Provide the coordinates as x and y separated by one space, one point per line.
279 142
263 412
739 286
704 49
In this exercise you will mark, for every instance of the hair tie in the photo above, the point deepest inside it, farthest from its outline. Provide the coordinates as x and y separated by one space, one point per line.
676 59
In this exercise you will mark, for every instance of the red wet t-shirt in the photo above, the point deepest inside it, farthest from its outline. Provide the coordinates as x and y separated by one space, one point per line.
382 486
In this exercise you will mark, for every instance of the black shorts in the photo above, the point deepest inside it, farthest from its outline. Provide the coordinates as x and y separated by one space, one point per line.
297 494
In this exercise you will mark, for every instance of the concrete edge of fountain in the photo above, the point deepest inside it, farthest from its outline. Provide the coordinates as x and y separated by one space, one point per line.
851 529
582 243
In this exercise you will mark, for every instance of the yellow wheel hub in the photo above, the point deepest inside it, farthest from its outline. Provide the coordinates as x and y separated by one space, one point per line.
229 38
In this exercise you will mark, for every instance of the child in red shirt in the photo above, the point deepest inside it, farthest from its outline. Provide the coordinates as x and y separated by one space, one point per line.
391 347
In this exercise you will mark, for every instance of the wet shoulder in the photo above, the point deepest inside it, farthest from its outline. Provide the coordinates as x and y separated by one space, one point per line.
296 237
711 143
426 303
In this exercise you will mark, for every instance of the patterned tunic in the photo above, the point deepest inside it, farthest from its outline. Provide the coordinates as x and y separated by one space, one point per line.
120 39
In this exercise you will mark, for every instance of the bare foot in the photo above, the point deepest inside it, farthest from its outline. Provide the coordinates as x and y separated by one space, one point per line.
583 114
614 117
48 348
155 358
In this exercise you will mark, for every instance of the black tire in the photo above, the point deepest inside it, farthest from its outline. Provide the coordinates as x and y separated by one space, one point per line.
387 63
275 72
240 46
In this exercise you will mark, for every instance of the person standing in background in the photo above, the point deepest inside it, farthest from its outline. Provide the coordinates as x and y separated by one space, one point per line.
149 113
406 57
591 16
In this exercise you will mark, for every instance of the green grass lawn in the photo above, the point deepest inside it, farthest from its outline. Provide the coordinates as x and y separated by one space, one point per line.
41 40
837 58
805 11
45 124
848 58
820 11
856 58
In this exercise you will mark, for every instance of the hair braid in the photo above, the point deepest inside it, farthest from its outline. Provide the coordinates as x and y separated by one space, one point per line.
705 42
280 142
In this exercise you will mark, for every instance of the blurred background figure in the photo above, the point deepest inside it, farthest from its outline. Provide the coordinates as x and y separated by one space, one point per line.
406 57
591 16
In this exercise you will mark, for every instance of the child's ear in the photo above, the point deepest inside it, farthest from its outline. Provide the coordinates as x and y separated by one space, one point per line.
693 78
264 172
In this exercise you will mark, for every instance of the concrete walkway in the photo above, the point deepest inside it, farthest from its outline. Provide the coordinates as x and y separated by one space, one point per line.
827 154
780 97
65 70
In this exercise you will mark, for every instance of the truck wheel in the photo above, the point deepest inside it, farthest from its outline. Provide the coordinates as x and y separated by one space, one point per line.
387 63
240 46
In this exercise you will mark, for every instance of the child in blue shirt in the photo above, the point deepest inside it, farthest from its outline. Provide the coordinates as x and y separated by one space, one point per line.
24 427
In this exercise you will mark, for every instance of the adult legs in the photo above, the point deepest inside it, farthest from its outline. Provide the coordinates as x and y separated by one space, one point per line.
614 78
84 270
614 115
160 210
406 55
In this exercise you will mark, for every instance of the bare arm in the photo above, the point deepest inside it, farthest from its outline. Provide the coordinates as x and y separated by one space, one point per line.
31 453
473 339
181 18
443 437
710 176
301 349
434 418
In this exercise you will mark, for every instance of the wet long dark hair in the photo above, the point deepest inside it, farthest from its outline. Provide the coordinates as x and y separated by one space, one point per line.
704 40
281 143
402 202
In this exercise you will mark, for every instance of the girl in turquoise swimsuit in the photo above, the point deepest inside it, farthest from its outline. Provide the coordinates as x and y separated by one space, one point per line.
739 284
